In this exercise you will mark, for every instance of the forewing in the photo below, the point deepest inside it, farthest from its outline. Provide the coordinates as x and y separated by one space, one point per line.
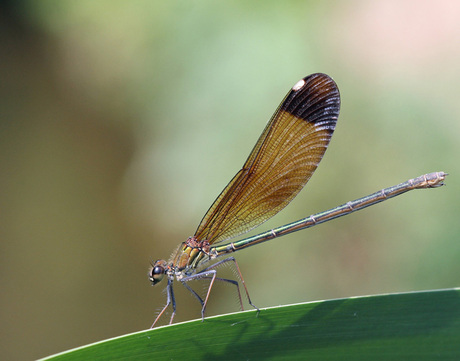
281 163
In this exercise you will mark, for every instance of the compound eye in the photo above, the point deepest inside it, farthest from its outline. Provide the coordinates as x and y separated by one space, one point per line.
156 273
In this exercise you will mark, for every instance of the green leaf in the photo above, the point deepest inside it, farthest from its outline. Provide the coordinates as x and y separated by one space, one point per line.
406 326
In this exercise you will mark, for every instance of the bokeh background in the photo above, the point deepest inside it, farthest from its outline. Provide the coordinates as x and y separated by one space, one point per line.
122 121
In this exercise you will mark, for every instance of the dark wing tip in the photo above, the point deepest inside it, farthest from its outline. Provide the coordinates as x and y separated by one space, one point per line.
316 99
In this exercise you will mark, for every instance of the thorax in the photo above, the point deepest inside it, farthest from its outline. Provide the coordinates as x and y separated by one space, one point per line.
188 257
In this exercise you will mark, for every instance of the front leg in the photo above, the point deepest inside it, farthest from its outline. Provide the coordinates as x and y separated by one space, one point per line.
171 300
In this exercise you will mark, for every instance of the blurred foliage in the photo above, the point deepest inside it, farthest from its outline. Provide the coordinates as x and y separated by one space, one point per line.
122 121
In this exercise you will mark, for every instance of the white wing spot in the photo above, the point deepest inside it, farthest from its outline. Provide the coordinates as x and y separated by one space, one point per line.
298 85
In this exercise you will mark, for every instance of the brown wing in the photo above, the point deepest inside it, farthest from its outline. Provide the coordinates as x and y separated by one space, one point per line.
281 163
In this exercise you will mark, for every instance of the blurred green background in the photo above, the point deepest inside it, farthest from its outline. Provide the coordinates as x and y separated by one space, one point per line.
122 121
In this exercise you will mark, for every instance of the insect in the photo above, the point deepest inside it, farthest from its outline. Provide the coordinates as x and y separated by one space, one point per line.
278 167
